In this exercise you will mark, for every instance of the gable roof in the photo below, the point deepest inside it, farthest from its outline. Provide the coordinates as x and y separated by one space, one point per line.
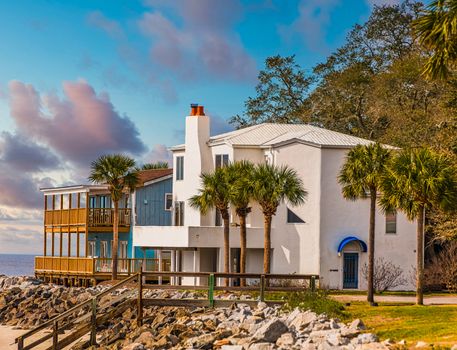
152 174
269 134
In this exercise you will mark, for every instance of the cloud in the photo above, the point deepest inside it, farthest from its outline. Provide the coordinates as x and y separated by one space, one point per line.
11 214
373 3
219 125
21 190
159 153
79 127
310 26
25 155
97 19
24 239
203 45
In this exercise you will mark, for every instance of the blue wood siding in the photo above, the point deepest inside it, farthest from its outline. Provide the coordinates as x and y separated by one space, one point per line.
150 204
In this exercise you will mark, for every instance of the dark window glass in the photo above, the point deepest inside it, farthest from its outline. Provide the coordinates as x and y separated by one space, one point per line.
391 222
180 168
168 201
293 218
221 160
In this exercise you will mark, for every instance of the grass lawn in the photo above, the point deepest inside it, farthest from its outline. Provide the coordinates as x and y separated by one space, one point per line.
432 324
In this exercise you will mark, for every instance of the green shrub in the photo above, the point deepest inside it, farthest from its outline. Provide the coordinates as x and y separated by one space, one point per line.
318 301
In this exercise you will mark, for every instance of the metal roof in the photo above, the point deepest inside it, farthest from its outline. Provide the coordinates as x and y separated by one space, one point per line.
269 134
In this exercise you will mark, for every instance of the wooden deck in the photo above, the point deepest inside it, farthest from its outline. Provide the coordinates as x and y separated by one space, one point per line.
74 270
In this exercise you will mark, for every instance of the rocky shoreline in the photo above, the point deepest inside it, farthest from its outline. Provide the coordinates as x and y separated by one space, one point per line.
26 302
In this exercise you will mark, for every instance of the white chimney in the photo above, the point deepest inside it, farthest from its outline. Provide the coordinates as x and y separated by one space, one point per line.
197 157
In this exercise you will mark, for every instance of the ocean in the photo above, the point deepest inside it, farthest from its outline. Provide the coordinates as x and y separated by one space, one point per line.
17 264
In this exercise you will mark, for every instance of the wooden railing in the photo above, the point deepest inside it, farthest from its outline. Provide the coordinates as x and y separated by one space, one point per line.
93 266
65 217
68 265
105 217
80 216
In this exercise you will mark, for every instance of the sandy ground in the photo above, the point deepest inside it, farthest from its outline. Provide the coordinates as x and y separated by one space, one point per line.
7 336
438 300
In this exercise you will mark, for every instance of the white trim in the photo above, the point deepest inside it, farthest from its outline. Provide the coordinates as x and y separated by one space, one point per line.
150 182
171 207
73 189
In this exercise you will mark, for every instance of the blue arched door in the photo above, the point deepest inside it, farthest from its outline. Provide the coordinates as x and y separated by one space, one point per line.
350 270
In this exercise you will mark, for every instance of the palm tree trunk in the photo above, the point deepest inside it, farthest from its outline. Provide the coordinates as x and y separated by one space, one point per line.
243 247
420 257
267 244
114 254
225 217
371 243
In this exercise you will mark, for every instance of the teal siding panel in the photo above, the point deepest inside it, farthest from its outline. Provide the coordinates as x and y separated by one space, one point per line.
150 204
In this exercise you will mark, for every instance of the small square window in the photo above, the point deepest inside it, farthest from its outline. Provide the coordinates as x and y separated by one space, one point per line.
168 201
221 160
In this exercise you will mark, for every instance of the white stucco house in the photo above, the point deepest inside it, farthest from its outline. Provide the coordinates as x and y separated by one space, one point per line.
325 236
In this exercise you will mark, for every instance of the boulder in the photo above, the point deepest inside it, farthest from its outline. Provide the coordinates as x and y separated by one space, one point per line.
270 331
262 346
134 346
366 338
286 340
357 324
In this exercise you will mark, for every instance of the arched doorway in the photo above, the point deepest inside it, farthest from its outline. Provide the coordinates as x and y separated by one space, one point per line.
350 249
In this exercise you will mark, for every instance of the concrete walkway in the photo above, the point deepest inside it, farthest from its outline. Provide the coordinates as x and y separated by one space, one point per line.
428 300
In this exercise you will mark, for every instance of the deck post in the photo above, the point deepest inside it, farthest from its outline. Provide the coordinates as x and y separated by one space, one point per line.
312 283
20 343
159 252
211 290
140 298
55 335
93 321
173 266
86 246
262 288
44 221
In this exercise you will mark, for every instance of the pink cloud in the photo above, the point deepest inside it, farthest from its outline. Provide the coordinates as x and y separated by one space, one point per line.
97 19
204 44
310 25
159 153
80 126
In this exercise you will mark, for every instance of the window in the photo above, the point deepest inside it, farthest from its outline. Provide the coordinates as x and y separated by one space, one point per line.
180 168
218 218
179 213
91 247
168 201
103 249
293 218
92 202
221 160
391 222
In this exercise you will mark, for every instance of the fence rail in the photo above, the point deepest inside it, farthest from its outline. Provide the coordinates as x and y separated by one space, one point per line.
96 314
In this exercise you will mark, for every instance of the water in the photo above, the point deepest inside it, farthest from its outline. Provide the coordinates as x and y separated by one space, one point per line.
17 264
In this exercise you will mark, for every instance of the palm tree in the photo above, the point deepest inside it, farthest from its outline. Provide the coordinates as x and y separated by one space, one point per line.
417 180
215 193
241 193
361 174
436 29
157 165
272 185
119 173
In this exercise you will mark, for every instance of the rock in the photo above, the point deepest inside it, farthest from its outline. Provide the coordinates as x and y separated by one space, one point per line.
134 346
204 341
454 347
388 342
145 338
271 331
232 347
421 344
402 342
262 346
366 338
286 340
302 320
357 324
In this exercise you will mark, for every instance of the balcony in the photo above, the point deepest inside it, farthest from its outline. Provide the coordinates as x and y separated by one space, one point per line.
99 268
94 218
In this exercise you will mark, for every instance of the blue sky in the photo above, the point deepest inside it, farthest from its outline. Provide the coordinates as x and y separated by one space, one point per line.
129 70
